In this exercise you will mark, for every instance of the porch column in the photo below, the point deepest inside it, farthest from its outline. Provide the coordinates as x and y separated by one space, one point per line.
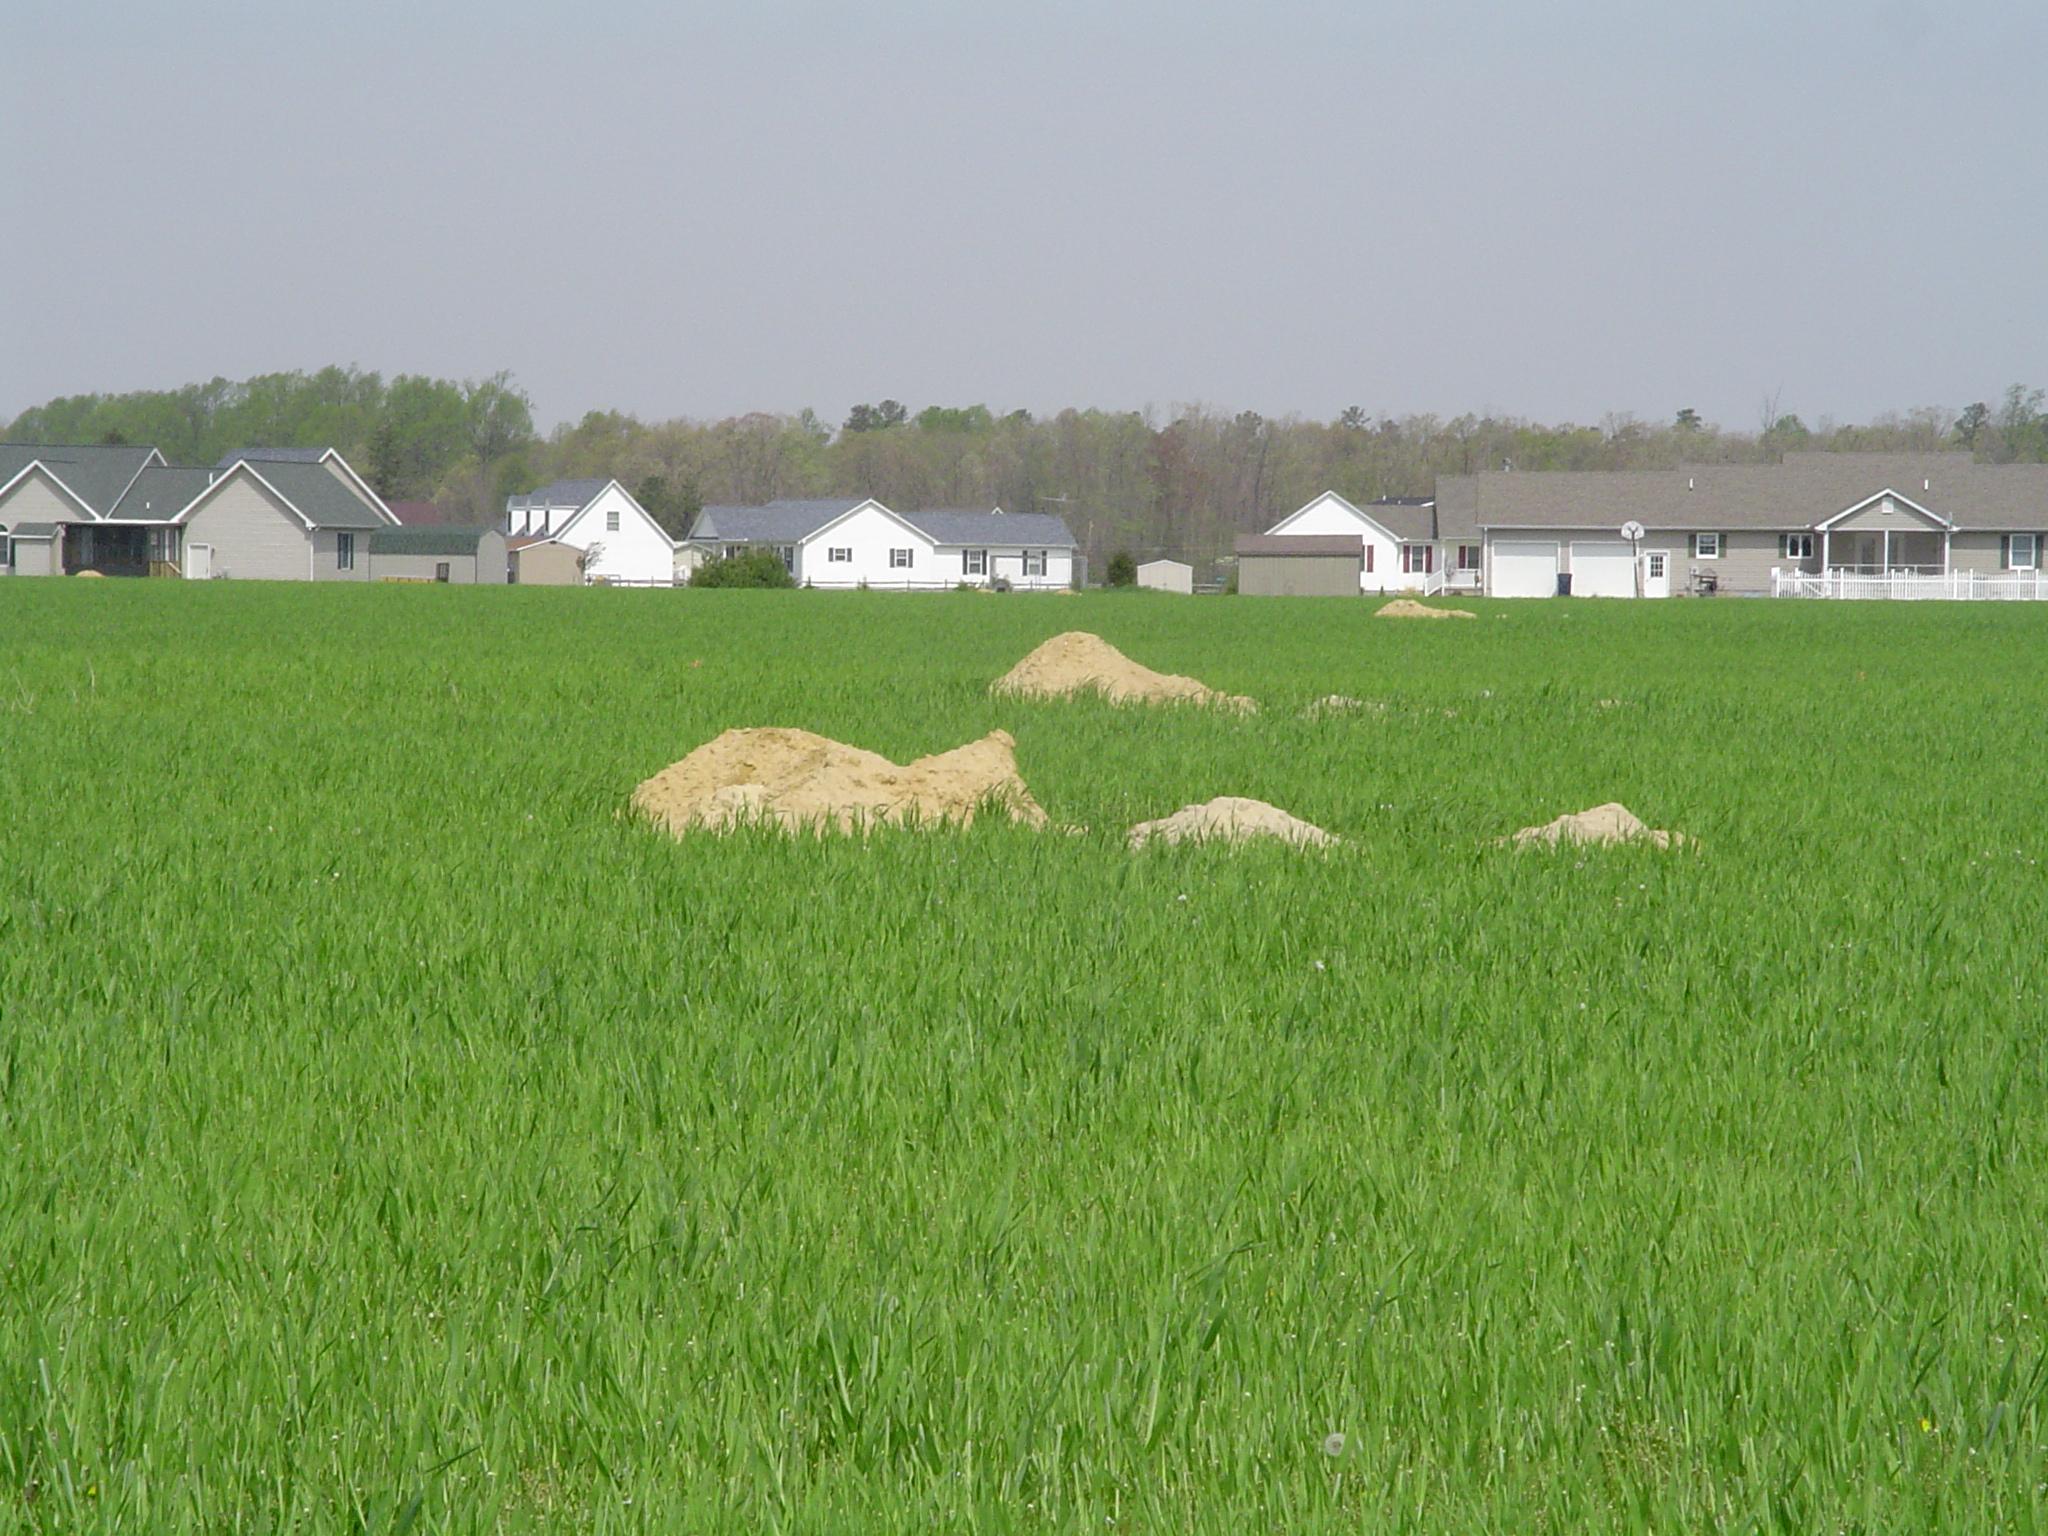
1945 535
1884 551
1825 559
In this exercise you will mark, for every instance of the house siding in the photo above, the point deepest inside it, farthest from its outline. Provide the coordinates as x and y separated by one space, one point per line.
36 557
485 567
254 537
638 551
1378 572
1298 575
326 551
870 534
547 565
36 500
1004 560
1885 514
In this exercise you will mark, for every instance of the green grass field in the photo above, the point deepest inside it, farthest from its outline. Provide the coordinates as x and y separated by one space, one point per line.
396 1136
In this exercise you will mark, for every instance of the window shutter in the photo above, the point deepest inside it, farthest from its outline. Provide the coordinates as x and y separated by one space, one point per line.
1692 545
2005 551
1368 559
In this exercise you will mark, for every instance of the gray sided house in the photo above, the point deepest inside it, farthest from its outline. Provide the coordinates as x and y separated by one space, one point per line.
1299 565
1840 524
275 514
440 553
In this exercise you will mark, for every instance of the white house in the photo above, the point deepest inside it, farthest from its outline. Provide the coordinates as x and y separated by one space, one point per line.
1398 535
1167 576
617 538
855 543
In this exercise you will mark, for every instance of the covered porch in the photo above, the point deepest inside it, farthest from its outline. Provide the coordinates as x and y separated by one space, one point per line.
1885 535
123 549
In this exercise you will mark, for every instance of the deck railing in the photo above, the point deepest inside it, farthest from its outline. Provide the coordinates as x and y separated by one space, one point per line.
1903 584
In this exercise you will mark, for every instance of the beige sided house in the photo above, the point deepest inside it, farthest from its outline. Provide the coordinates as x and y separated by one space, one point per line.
1815 524
280 514
439 552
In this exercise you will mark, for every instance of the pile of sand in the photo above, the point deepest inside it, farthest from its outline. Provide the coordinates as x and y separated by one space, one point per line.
798 779
1609 823
1233 819
1408 608
95 575
1078 662
1339 704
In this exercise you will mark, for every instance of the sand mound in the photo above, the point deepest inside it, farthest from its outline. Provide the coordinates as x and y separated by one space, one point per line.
1078 662
1609 823
1233 819
1408 608
799 779
95 575
1339 704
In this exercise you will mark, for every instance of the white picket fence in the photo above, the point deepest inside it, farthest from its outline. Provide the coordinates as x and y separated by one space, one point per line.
1908 586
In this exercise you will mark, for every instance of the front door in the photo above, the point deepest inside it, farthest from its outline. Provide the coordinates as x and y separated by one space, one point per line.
198 562
1657 573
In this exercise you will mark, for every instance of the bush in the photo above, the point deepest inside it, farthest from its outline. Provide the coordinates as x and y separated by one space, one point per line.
1122 571
753 568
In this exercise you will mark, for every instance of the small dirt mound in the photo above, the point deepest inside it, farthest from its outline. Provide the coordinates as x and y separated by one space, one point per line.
1231 819
1609 823
1080 662
801 780
95 575
1408 608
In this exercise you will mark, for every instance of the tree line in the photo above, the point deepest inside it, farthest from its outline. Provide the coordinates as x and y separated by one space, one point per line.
1182 484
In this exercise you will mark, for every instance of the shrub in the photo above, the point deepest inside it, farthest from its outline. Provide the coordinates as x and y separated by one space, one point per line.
751 568
1122 571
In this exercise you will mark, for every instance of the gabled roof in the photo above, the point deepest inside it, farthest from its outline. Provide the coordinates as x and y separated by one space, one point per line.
95 474
1798 494
776 522
432 539
1037 530
575 494
416 514
272 456
309 490
160 493
1402 519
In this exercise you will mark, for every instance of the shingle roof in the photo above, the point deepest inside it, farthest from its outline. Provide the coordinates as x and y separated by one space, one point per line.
431 539
562 493
777 522
321 498
36 531
1036 530
271 456
1802 491
96 473
160 494
1300 544
416 514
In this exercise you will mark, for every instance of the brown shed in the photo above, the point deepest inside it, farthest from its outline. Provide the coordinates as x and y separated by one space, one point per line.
1299 565
545 563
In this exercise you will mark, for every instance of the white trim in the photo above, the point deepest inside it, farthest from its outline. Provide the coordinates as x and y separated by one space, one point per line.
1934 517
35 464
1316 501
154 453
631 500
895 517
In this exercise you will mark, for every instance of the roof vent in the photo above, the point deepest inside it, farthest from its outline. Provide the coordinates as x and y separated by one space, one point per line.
1688 482
1926 485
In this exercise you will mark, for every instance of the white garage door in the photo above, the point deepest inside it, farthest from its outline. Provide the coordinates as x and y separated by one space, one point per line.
1523 570
1603 570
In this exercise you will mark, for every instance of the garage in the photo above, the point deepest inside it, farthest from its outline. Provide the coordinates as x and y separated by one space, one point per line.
1523 569
1603 570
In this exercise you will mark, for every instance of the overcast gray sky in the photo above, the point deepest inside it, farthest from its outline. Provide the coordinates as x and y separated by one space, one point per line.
1553 210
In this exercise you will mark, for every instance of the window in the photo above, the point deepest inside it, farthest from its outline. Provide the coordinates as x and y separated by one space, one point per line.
734 551
1034 562
839 554
900 559
6 549
974 562
344 551
1656 564
1468 557
441 570
1707 546
1418 559
163 545
1796 546
787 553
611 521
2022 551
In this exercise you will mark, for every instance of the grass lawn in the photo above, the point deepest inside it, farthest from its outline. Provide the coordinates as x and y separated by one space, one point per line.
395 1135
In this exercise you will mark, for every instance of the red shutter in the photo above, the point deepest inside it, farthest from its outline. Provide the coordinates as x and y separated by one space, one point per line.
1368 559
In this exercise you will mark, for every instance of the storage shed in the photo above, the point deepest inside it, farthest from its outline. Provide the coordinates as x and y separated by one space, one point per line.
1299 565
464 556
1167 576
546 563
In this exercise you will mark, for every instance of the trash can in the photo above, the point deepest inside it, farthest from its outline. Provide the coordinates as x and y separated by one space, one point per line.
1564 583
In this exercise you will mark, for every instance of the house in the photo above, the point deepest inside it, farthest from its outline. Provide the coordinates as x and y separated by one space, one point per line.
537 562
439 552
861 543
1819 524
1299 564
619 542
278 514
1398 549
1167 576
